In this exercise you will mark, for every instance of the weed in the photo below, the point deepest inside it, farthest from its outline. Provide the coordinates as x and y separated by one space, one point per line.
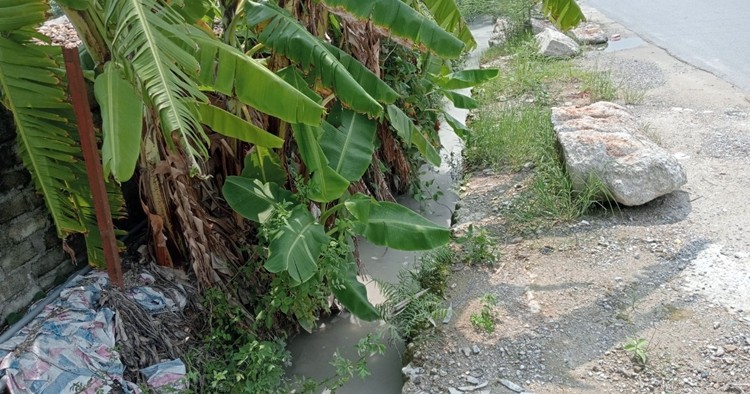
598 85
415 303
631 96
652 135
491 53
433 270
638 349
477 247
346 369
231 359
485 319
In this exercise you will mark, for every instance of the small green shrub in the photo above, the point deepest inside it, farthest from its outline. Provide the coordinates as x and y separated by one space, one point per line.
485 319
434 270
477 247
415 302
638 349
230 358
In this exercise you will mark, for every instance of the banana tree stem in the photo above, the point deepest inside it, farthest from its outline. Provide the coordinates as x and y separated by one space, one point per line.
254 50
328 99
325 215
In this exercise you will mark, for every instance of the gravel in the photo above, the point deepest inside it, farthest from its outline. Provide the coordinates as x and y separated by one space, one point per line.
61 32
674 272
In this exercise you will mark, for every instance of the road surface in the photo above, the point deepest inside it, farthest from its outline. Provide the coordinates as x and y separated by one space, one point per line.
713 36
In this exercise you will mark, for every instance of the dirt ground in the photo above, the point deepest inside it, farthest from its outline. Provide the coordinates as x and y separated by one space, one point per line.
675 272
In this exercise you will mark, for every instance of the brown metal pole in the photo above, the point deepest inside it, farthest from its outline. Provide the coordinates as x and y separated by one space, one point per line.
85 123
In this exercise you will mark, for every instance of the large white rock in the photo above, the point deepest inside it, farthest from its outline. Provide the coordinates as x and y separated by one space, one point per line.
552 43
603 141
589 33
538 25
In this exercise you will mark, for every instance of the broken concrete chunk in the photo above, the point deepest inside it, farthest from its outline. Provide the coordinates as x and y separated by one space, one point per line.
603 143
589 33
554 44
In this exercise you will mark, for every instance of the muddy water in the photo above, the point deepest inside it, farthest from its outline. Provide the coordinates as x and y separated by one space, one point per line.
312 353
623 44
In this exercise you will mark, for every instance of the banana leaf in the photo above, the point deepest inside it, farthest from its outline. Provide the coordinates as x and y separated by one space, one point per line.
393 225
350 146
297 245
122 114
398 19
283 33
325 183
254 199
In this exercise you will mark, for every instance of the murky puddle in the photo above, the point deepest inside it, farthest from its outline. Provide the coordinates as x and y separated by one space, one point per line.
312 353
623 44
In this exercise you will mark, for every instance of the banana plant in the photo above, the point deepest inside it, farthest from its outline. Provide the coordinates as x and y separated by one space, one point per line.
33 88
336 153
296 246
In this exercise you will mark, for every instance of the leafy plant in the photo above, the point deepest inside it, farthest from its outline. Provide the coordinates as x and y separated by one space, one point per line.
346 369
415 303
638 349
485 319
296 247
477 247
434 269
231 358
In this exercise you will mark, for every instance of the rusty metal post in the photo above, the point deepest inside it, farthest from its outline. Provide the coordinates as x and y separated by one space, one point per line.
85 122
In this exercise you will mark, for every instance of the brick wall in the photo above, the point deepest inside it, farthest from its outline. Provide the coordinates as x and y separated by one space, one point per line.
31 258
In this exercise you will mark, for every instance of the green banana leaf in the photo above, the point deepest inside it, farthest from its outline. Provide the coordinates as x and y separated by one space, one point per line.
425 147
151 39
397 18
192 10
402 123
17 14
32 91
297 245
466 78
457 126
229 71
326 184
448 16
393 225
264 164
349 147
375 86
410 134
294 78
353 295
231 125
252 198
565 14
122 114
283 33
459 100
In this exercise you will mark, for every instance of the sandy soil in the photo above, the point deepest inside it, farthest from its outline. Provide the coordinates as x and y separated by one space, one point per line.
675 272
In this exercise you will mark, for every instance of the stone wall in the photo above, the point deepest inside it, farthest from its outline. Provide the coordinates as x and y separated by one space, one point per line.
31 257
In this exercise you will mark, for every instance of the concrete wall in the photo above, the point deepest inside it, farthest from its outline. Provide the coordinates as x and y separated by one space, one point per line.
31 257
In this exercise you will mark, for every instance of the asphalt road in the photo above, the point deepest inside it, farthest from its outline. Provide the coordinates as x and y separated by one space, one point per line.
711 35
